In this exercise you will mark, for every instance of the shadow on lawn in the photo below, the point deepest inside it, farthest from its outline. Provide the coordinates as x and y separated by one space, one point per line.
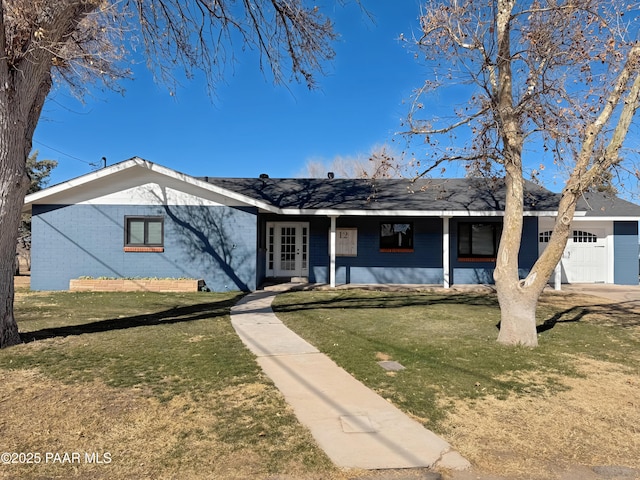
622 314
187 313
578 314
348 301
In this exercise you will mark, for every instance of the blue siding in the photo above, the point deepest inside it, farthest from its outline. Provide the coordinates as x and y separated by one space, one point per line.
625 249
422 266
396 275
371 266
529 246
319 249
217 244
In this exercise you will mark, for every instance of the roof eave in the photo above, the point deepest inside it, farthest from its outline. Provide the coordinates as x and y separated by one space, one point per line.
137 162
332 212
611 218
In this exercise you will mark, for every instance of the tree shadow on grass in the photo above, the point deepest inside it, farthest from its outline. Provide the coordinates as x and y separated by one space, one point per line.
350 300
574 314
174 315
623 314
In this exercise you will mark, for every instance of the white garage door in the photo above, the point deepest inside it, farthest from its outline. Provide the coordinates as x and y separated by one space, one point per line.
585 257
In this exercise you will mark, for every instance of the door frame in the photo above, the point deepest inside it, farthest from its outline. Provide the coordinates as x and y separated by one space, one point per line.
274 249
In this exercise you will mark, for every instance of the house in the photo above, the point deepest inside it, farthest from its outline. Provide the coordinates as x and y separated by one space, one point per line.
140 219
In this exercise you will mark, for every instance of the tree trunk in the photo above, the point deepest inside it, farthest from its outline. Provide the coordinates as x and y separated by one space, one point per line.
23 89
13 185
518 318
517 303
519 299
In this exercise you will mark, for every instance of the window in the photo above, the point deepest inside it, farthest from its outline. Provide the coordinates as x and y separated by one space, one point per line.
478 241
396 237
584 237
271 249
144 234
544 237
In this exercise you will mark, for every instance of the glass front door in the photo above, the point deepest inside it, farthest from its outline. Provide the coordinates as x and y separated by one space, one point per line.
288 249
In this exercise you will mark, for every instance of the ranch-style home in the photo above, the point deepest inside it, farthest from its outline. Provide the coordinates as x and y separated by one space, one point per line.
139 219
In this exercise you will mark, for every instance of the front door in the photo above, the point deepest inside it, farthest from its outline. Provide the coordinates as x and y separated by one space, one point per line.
287 249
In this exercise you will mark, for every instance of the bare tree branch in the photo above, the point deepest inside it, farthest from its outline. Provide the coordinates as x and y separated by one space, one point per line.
560 75
84 42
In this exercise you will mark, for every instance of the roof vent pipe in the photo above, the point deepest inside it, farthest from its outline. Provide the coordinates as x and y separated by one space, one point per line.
263 176
330 175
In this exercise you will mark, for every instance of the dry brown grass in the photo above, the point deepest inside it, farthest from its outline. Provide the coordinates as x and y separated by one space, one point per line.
595 422
178 400
144 437
577 408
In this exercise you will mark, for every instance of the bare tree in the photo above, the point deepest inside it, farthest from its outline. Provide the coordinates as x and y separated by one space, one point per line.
381 162
39 172
81 42
559 77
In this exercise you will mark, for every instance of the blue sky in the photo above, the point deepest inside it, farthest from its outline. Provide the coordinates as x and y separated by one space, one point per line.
251 126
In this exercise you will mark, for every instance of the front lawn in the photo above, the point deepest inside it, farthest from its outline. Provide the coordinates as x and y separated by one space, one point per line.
150 385
162 384
512 411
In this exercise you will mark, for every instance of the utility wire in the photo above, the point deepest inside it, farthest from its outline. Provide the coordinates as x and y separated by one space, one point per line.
65 154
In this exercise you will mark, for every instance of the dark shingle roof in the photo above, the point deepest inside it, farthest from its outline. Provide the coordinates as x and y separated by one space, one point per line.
467 194
455 194
597 204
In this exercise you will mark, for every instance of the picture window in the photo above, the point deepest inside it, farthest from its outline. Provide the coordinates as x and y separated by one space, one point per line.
396 237
478 241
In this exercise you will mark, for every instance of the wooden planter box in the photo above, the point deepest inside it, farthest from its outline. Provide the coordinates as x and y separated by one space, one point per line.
135 285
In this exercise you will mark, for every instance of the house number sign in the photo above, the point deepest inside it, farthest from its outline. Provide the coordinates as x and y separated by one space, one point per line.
346 242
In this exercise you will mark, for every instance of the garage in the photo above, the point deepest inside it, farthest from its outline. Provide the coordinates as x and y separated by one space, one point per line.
586 255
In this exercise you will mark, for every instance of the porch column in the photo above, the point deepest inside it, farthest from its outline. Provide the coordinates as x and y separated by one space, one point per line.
332 252
446 266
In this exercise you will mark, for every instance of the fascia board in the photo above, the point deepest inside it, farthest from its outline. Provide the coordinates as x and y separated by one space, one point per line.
405 213
215 189
79 181
84 180
608 219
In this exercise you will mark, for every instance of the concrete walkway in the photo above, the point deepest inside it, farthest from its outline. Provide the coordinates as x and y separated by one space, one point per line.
354 425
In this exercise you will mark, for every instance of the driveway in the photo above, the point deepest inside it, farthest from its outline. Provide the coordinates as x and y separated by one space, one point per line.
627 294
